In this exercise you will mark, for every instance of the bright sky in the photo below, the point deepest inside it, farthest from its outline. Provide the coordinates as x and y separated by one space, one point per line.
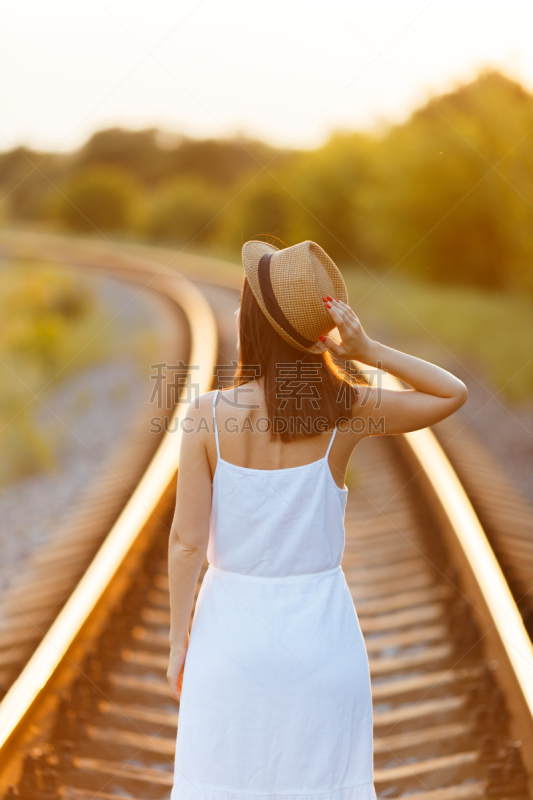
286 71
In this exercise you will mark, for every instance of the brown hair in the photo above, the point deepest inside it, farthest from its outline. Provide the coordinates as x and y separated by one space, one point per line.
306 393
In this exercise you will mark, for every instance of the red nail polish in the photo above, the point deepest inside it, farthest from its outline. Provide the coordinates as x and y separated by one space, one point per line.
329 298
324 299
328 305
322 338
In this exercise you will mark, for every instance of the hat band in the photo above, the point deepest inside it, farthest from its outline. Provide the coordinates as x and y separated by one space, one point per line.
272 305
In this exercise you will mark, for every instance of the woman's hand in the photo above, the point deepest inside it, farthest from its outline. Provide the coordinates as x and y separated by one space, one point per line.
175 671
355 343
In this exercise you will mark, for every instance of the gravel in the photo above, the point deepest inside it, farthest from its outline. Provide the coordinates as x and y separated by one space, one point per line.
89 429
505 428
86 415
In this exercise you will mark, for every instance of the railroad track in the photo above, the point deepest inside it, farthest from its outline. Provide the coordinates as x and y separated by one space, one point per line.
451 664
37 593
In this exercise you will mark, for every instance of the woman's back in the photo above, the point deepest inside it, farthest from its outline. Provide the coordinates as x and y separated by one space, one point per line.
244 433
272 521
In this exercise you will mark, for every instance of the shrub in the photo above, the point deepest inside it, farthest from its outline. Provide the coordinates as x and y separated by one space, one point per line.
104 198
184 211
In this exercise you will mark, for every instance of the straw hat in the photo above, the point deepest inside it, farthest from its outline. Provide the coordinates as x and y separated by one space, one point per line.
289 284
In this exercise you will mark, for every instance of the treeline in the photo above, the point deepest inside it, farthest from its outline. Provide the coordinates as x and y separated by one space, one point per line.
447 195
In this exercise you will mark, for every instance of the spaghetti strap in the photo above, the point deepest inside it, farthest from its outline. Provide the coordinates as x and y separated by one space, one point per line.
330 443
215 398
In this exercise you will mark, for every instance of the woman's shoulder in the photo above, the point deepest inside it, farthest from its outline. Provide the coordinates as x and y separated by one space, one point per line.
234 396
201 403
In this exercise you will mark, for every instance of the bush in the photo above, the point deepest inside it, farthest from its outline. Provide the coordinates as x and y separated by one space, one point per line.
184 211
103 198
49 325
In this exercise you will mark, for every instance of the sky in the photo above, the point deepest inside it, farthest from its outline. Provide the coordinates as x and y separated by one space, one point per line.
289 72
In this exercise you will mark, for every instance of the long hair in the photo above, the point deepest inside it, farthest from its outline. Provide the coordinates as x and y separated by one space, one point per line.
306 393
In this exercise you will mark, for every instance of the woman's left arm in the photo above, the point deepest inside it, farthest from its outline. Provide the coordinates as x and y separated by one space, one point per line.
189 536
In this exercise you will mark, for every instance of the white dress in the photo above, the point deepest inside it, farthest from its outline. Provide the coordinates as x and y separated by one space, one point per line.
276 695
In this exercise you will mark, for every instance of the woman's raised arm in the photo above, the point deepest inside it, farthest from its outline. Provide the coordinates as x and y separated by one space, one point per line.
435 393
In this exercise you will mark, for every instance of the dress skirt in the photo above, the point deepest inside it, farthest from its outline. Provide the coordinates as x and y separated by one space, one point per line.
276 696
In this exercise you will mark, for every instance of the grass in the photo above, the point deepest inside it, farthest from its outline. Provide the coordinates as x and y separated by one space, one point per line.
447 324
53 324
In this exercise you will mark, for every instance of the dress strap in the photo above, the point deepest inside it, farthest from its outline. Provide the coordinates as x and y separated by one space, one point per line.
330 442
215 398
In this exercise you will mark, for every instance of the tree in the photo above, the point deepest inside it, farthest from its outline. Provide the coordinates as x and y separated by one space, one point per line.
260 207
330 186
453 198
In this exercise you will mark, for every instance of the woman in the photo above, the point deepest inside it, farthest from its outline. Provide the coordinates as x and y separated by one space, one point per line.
274 684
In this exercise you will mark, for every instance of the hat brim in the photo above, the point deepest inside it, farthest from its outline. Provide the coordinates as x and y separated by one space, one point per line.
251 255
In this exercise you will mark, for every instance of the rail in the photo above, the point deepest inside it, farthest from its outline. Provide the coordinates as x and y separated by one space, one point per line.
83 613
492 604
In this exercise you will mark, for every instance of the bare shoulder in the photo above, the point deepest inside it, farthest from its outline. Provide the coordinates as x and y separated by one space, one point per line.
222 401
243 398
200 405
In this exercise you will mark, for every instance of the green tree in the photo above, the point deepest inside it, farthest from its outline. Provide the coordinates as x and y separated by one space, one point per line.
453 195
136 152
330 185
223 162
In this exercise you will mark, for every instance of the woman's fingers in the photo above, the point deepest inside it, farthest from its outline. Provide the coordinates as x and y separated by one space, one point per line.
336 313
349 328
338 308
343 321
344 309
355 343
175 676
175 687
335 348
349 310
